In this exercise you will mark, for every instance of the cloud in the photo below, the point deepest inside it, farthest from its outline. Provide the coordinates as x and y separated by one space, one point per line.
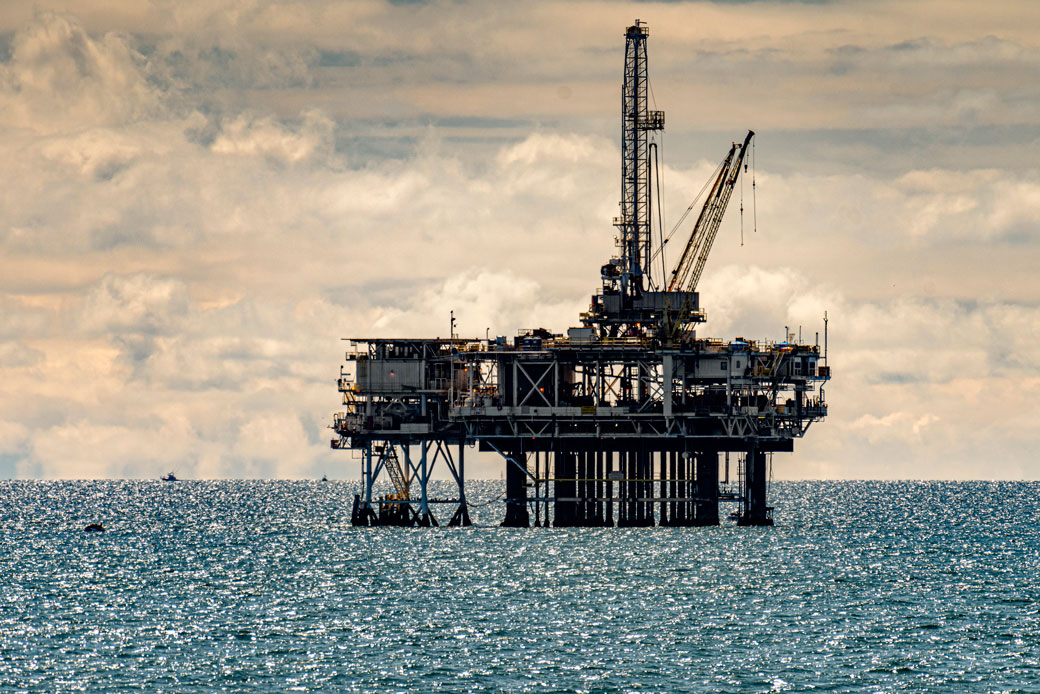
60 79
138 303
15 354
904 426
213 60
484 302
13 437
95 154
276 443
201 201
23 320
251 136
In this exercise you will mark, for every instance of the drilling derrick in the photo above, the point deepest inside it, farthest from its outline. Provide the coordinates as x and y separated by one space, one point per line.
637 123
629 420
630 302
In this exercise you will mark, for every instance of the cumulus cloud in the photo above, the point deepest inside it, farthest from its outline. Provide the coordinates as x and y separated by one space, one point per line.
277 443
251 136
484 303
138 303
59 78
906 427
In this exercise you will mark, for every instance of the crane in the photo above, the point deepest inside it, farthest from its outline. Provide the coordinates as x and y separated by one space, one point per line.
688 270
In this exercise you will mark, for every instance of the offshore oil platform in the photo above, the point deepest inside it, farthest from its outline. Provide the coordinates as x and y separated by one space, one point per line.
626 420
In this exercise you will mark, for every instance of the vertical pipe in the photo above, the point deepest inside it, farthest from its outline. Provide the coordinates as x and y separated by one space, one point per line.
571 507
579 487
564 514
707 504
756 512
516 492
633 487
660 487
666 483
640 492
537 491
667 512
619 495
367 508
600 519
464 518
646 474
586 488
426 518
688 492
581 474
547 458
461 517
679 515
676 489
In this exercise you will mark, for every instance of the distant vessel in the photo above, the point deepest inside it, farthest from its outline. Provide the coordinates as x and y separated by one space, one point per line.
169 477
324 478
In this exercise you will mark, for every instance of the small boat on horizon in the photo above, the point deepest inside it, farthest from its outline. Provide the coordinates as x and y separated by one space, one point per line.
169 477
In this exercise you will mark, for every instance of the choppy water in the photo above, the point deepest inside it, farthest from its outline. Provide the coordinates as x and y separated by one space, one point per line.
264 586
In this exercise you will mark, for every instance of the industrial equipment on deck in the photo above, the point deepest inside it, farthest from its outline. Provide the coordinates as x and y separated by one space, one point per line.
619 422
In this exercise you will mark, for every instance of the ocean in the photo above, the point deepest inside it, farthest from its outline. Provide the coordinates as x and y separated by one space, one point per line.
264 586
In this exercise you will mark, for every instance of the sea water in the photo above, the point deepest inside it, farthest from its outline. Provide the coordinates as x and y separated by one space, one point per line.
265 586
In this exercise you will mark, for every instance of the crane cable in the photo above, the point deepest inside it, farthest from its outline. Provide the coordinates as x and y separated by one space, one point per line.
741 204
754 199
689 209
660 214
660 208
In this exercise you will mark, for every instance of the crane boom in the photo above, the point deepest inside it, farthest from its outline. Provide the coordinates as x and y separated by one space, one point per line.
688 270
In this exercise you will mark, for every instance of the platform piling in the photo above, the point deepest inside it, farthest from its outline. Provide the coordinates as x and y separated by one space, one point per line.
516 491
755 512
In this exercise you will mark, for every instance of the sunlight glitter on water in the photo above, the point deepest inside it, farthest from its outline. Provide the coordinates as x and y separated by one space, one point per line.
862 586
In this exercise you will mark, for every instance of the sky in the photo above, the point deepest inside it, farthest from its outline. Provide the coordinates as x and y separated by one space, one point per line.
201 199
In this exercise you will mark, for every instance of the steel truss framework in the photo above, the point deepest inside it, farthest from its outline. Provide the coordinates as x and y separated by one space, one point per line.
399 508
623 434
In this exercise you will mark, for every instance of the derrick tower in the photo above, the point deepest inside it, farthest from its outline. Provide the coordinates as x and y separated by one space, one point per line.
637 122
631 301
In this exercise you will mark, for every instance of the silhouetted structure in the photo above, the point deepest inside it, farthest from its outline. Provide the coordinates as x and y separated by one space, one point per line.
623 420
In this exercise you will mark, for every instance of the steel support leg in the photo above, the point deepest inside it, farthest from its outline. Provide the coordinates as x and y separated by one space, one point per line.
461 517
565 489
706 508
756 512
516 492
